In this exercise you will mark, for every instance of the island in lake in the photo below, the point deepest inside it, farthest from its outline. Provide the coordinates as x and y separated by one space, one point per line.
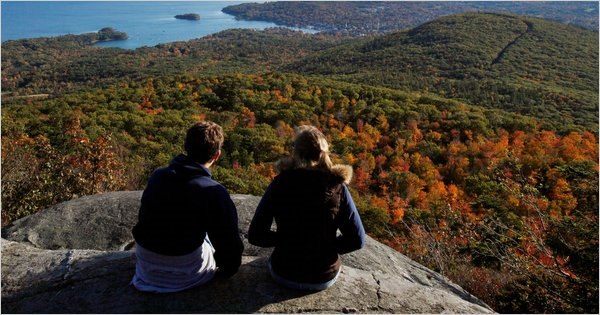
188 16
109 33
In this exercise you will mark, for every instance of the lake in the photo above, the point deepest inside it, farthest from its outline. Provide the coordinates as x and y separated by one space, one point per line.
147 23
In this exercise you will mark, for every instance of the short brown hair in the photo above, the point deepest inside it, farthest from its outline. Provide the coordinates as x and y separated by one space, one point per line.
203 140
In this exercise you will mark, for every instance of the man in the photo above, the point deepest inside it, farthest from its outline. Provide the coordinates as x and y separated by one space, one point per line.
187 231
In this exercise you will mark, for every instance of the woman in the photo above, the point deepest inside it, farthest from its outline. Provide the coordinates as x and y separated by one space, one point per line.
309 201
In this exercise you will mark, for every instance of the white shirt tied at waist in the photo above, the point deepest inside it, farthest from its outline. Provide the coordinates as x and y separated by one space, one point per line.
161 274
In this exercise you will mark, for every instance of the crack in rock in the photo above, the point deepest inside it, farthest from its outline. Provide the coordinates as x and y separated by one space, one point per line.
67 262
378 291
349 310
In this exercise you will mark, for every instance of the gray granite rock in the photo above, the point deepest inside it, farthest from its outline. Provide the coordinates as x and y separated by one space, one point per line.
101 222
71 259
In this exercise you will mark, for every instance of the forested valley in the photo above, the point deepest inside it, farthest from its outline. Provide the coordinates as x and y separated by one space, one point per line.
473 138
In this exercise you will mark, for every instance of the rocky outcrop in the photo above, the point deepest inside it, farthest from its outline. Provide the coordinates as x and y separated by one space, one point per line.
74 258
100 222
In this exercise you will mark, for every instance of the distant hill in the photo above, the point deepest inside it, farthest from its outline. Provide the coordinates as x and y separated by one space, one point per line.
526 65
377 17
56 65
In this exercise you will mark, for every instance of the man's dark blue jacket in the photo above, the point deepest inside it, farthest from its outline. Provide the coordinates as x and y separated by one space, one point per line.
180 206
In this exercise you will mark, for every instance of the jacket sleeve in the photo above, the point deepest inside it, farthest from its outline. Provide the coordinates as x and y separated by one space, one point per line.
260 233
353 233
224 234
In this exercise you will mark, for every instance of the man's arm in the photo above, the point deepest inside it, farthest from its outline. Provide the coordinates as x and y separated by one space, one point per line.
224 235
353 232
260 233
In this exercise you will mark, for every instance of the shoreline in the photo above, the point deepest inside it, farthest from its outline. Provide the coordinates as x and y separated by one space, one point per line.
150 36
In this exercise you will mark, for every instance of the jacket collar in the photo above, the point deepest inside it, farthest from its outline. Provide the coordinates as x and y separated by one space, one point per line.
185 166
344 172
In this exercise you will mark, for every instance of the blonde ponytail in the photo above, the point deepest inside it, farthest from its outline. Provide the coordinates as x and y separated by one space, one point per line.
311 150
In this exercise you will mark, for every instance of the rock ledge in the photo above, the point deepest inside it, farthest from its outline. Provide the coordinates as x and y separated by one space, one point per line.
73 258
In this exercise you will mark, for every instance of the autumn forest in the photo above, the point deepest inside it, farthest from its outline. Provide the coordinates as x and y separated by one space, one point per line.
486 173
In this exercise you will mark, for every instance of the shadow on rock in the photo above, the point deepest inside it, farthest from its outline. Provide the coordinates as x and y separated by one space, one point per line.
248 291
98 282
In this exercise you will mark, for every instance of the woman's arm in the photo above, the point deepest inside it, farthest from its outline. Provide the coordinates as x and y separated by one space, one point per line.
353 233
260 233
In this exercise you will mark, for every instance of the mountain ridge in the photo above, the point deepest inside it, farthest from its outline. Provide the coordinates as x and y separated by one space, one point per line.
487 59
546 70
541 69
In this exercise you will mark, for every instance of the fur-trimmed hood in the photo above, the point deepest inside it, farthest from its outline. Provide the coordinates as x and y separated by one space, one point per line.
343 171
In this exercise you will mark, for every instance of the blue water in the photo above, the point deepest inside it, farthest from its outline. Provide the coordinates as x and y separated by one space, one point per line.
147 23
